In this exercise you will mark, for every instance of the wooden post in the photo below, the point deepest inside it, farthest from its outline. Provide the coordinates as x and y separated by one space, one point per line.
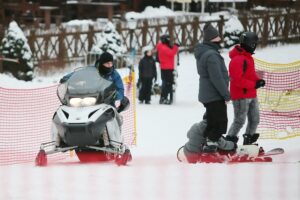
31 38
171 27
144 32
110 12
265 34
90 37
1 65
221 25
76 41
183 35
157 30
286 26
195 31
62 52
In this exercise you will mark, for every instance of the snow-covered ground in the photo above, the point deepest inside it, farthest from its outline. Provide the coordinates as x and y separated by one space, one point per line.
154 172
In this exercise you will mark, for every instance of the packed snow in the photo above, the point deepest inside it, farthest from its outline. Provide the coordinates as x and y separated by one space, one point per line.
154 172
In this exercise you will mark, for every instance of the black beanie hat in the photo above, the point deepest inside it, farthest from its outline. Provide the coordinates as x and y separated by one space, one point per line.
209 32
104 58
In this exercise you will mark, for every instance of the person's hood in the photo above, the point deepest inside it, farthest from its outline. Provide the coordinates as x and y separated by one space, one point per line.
201 48
238 50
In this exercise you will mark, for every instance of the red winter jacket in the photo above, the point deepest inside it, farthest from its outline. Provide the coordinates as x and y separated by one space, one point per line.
242 74
166 55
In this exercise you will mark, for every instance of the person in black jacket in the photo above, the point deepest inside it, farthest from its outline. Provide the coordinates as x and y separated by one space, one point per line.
147 72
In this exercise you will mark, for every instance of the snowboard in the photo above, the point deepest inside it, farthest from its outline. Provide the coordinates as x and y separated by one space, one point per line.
245 153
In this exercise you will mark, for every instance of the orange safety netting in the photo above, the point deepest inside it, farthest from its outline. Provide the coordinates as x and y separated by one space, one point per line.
25 122
279 100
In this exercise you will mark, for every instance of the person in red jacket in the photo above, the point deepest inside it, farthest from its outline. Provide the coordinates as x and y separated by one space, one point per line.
166 53
243 85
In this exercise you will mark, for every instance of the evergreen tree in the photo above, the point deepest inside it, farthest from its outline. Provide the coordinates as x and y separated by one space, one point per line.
233 30
109 41
14 46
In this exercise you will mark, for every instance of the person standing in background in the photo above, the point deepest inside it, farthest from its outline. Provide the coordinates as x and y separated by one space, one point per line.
147 73
166 53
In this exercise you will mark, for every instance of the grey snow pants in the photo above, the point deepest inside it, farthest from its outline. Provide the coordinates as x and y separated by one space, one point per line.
245 108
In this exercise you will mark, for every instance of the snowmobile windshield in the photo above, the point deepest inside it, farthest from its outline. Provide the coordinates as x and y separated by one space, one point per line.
87 83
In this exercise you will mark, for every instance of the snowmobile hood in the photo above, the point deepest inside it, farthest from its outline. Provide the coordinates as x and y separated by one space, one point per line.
201 48
238 50
87 81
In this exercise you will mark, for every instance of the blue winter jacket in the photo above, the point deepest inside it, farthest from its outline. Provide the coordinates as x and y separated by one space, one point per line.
113 76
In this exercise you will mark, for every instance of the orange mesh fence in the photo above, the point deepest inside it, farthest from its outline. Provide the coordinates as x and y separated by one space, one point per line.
25 122
279 100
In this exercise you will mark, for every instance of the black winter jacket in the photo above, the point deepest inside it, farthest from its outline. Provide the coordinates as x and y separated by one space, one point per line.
147 68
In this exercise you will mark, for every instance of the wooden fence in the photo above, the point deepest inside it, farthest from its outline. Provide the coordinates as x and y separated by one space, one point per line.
62 46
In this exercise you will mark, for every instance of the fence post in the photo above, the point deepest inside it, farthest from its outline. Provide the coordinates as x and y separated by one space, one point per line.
265 33
76 42
62 52
244 22
171 27
195 32
220 25
183 36
144 33
90 38
1 65
31 38
157 30
286 26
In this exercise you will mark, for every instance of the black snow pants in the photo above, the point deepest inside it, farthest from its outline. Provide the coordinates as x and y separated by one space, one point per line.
167 78
145 91
216 116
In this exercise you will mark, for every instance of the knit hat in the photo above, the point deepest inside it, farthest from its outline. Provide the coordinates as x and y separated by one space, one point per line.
209 32
104 58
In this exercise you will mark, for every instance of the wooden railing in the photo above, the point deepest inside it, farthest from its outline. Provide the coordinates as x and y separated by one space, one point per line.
62 46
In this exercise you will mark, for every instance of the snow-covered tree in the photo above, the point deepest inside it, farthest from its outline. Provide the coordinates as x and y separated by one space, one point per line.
109 41
14 46
232 31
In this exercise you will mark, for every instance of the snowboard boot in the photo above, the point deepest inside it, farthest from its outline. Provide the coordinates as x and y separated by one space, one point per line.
210 146
250 139
233 139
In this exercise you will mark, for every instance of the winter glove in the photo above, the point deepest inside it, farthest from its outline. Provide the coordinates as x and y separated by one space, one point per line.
124 105
260 83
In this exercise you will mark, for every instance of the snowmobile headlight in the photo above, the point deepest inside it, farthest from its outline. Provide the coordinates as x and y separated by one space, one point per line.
75 102
81 102
88 101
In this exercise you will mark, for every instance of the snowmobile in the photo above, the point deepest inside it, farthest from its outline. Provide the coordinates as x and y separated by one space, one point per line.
87 121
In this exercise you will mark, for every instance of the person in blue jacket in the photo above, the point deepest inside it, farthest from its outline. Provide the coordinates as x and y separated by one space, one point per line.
107 70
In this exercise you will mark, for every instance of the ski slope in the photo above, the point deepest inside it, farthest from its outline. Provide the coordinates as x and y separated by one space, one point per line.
154 173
